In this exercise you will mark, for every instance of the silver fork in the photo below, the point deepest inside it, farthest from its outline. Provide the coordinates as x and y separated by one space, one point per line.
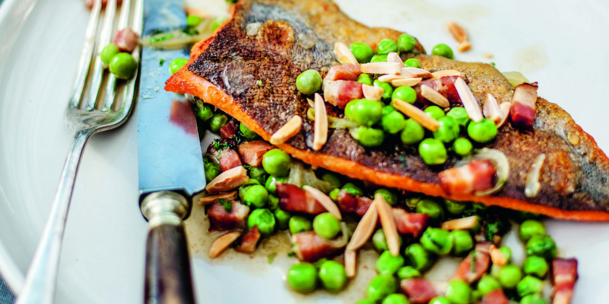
85 120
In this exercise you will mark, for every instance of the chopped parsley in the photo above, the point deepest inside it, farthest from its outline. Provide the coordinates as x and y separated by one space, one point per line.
161 61
228 205
161 38
291 254
190 31
218 145
271 257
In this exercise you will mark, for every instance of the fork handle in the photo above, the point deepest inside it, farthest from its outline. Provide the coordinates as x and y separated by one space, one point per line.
41 279
168 276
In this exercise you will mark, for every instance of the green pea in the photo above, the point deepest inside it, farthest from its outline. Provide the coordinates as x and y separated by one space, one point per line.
217 122
244 187
333 179
362 52
412 202
393 122
205 112
434 112
264 219
463 147
386 46
332 276
487 284
418 257
247 133
193 21
388 263
407 272
123 66
212 169
458 292
464 242
529 285
389 196
276 162
299 223
443 50
388 110
387 90
542 246
455 208
381 286
271 183
432 151
459 115
282 218
273 202
256 196
108 52
406 94
368 137
217 22
413 63
379 241
302 277
439 300
495 271
365 111
177 64
535 266
365 301
476 296
437 240
448 130
535 298
406 43
507 252
308 82
483 131
529 228
509 276
334 194
353 189
395 298
326 225
258 174
365 79
413 132
378 58
431 208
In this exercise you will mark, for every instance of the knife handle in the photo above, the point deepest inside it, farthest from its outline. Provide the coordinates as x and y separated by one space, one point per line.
168 277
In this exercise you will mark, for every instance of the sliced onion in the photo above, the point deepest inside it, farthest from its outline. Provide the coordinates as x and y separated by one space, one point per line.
178 39
343 239
300 176
334 122
515 78
531 189
499 161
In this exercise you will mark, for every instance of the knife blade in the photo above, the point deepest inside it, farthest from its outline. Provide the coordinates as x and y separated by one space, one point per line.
170 163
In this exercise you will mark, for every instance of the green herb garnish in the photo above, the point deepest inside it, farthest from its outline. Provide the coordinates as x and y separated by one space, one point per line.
162 38
161 61
271 257
228 205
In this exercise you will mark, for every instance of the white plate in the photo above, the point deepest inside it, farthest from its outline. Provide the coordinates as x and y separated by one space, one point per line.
561 44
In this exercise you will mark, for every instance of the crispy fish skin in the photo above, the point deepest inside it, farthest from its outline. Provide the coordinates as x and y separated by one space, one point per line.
252 78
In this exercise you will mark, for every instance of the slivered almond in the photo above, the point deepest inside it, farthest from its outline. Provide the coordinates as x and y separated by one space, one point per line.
417 114
222 243
491 109
469 101
487 55
311 103
212 198
406 82
497 257
228 180
364 229
343 53
381 68
505 112
457 31
350 263
435 97
320 137
324 200
388 223
287 131
461 224
464 46
372 92
394 57
411 72
390 78
440 74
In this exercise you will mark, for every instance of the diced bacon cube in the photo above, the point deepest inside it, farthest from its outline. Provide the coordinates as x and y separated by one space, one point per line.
340 92
410 223
229 159
229 129
477 175
495 297
126 40
221 220
524 105
464 271
249 241
418 290
343 72
310 247
444 85
292 198
348 203
564 276
252 152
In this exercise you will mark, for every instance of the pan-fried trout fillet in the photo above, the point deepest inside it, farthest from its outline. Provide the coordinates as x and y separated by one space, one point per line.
251 76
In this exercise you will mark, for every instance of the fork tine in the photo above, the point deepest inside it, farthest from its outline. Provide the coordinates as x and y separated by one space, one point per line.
123 22
137 27
86 55
105 36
